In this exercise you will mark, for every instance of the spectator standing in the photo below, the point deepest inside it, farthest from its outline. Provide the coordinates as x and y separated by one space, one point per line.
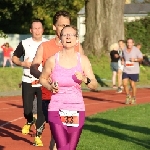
122 46
114 62
7 54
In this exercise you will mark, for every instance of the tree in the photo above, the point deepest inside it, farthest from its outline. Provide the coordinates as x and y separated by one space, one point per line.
104 25
139 30
2 34
19 13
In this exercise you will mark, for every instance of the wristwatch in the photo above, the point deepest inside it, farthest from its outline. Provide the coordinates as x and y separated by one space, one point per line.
88 81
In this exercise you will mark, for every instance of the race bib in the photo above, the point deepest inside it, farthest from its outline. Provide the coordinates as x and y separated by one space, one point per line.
69 118
129 64
35 83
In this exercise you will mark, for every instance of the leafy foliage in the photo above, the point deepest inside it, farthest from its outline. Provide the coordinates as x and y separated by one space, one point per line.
139 30
19 13
2 34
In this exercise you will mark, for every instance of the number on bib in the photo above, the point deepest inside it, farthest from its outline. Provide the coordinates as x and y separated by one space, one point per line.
35 82
69 118
129 64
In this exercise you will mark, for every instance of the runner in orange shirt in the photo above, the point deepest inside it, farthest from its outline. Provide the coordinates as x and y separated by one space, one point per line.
47 49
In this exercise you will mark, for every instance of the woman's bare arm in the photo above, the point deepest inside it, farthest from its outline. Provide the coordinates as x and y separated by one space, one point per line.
44 77
87 68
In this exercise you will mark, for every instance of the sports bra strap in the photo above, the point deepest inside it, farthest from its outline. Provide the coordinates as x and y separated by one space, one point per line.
56 58
79 58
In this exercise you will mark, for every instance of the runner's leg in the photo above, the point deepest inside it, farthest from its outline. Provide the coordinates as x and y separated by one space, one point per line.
28 93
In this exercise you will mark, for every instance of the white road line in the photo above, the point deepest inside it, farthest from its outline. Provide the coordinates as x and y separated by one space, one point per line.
95 103
9 101
11 121
8 108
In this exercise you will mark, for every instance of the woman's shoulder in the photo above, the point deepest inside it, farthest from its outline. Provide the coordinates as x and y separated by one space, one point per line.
83 56
84 59
51 59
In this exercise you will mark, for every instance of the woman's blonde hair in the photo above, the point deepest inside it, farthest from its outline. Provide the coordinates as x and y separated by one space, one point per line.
113 46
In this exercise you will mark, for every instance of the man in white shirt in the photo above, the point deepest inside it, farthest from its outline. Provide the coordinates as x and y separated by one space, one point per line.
30 85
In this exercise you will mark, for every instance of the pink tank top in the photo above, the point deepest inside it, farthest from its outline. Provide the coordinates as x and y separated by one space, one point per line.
69 96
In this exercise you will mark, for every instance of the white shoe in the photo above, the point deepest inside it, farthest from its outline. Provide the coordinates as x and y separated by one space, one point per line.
119 90
121 87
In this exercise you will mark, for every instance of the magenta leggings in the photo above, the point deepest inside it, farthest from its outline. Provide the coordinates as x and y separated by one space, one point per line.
66 138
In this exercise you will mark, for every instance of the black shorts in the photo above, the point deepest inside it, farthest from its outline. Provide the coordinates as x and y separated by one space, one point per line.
133 77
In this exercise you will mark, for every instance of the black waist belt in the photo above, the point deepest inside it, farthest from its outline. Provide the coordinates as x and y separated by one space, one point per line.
27 76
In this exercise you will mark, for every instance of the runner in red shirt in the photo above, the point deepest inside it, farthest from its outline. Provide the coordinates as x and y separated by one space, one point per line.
7 54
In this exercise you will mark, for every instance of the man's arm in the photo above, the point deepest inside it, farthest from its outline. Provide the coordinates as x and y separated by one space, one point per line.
17 54
122 59
36 62
138 58
16 57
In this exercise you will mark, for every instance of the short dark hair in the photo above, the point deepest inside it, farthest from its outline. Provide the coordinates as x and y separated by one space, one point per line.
123 41
61 13
130 39
7 44
36 20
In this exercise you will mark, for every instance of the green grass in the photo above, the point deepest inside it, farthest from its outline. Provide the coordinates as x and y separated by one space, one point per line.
101 66
125 128
10 78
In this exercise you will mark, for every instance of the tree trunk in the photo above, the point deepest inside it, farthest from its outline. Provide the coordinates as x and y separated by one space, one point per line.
104 25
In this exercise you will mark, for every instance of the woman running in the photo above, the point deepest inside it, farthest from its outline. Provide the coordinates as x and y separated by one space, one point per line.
68 69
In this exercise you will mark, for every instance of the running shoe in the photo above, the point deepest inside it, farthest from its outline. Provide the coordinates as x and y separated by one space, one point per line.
133 100
26 128
119 90
38 141
121 87
114 86
128 99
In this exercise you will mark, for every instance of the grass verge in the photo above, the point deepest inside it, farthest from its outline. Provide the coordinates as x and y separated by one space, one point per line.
125 128
10 77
